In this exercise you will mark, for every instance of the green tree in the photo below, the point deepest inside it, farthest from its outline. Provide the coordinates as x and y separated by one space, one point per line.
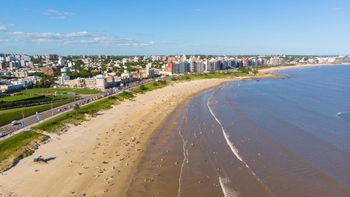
46 81
76 107
78 64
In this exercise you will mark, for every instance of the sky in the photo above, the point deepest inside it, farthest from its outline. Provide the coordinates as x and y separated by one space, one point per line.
169 27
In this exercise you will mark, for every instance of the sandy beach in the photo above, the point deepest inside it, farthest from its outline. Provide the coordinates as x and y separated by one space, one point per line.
268 137
299 66
98 157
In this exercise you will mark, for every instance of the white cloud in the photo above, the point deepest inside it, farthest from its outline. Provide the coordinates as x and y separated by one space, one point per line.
82 37
80 34
57 14
37 37
3 28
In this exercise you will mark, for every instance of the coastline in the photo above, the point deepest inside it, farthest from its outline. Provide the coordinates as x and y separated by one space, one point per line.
299 66
99 156
189 158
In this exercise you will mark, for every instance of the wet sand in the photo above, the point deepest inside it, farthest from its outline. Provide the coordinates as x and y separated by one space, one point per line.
189 156
101 156
254 138
98 157
298 66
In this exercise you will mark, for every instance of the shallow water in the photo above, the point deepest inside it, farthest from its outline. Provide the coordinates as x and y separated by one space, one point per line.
273 137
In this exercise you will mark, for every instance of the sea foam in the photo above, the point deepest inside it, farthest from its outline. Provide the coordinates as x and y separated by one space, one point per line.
184 161
345 116
231 145
228 192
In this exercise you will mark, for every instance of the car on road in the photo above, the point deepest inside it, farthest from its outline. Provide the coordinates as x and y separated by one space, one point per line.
2 134
15 122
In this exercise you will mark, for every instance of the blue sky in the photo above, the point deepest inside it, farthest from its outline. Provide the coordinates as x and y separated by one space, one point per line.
137 27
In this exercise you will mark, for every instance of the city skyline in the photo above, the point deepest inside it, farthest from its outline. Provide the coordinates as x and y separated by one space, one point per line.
176 27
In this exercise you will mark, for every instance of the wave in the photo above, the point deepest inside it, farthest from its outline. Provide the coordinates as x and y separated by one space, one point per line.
342 113
231 145
184 161
228 192
345 116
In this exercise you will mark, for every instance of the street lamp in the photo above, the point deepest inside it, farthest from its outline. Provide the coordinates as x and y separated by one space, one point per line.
51 108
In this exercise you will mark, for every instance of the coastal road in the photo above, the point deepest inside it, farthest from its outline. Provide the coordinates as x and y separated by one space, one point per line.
29 121
9 129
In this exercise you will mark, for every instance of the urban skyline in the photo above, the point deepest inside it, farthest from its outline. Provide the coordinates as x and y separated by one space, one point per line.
19 71
176 27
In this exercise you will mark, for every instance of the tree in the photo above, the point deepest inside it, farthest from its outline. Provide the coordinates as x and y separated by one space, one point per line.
37 61
76 107
46 81
78 64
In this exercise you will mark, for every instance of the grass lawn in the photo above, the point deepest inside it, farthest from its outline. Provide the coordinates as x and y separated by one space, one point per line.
60 90
18 97
54 124
76 116
215 75
17 147
36 93
149 87
6 116
33 97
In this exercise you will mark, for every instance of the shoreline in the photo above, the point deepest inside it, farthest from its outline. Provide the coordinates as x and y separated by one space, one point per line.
271 70
99 156
190 158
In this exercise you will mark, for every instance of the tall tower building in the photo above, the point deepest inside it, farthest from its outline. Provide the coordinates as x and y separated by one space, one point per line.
170 64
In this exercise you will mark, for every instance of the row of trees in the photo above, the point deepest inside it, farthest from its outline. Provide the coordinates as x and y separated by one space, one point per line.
82 74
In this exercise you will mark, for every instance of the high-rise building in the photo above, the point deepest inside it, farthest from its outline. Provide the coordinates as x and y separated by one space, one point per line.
170 64
61 61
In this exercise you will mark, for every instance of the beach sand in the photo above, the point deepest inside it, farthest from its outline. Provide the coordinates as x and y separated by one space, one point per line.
299 66
98 157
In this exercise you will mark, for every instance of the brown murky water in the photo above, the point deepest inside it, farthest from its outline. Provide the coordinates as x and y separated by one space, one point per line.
267 138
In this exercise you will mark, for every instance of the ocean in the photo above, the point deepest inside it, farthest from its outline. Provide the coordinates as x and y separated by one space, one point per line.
269 137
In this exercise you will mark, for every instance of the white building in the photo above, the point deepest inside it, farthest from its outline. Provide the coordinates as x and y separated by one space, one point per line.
61 61
62 79
125 75
100 82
